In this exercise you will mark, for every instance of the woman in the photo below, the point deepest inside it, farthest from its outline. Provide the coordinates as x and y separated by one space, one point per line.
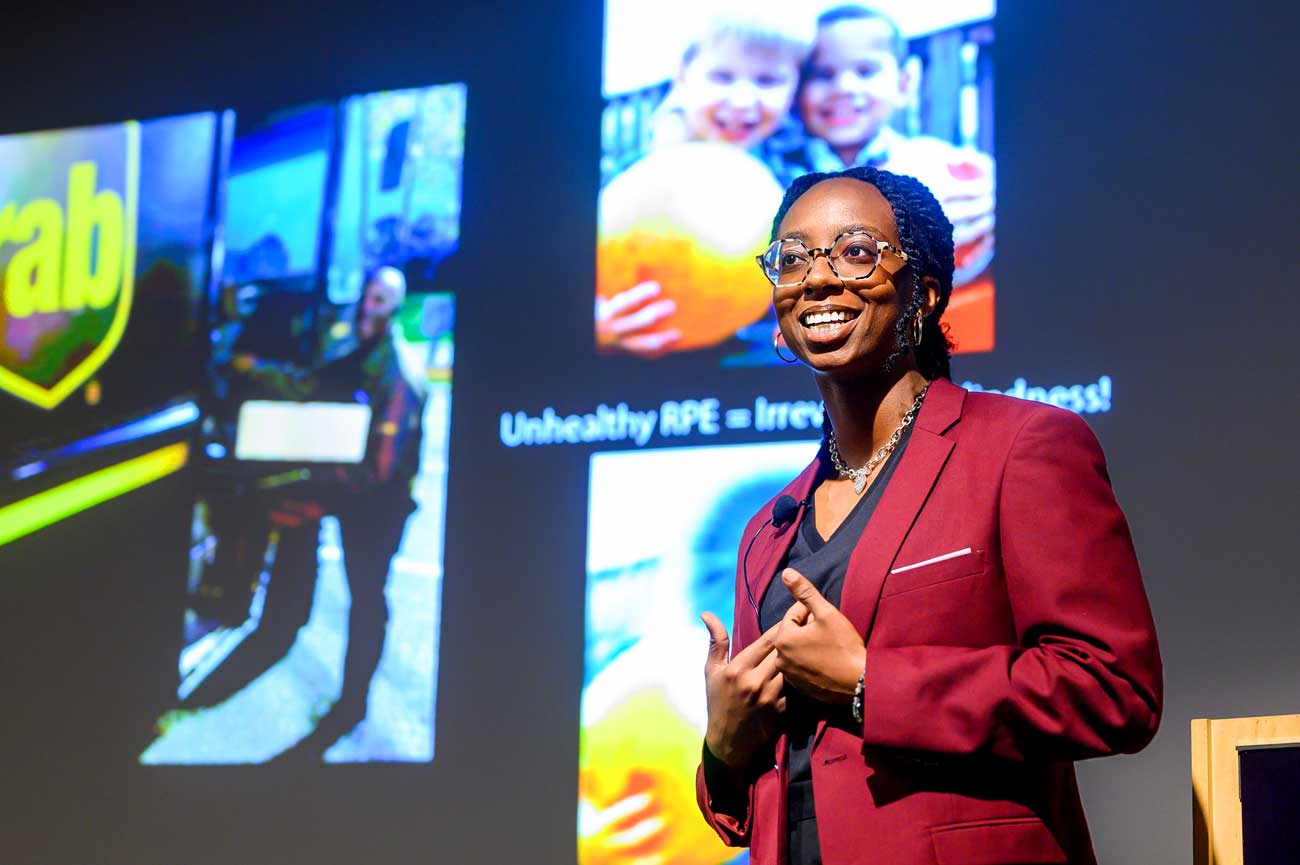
959 613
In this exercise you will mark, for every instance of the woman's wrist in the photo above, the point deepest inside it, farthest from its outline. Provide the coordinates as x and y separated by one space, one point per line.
847 682
725 756
856 706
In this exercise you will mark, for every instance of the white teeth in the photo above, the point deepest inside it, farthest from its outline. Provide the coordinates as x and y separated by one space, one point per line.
816 318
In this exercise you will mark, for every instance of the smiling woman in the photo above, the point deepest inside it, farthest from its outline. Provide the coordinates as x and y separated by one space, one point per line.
870 239
960 613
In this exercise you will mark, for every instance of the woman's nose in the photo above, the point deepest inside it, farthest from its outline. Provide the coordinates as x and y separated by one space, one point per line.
821 274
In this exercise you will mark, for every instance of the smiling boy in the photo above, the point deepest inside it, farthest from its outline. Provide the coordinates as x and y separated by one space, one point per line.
736 85
851 87
853 84
736 82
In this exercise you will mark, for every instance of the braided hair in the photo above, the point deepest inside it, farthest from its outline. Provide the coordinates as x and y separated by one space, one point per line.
926 235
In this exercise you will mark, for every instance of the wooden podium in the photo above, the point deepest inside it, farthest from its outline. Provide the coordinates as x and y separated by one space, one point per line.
1217 748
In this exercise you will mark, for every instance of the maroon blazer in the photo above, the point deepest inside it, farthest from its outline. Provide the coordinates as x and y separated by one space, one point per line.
988 670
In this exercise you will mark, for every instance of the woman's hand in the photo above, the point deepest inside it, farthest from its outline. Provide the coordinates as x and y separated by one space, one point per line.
744 695
818 650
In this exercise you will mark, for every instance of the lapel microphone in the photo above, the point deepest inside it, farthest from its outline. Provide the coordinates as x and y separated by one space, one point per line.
784 510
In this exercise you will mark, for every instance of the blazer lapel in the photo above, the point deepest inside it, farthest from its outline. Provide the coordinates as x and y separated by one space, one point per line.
922 462
907 491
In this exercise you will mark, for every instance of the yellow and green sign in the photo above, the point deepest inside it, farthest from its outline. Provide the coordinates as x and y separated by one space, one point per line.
68 212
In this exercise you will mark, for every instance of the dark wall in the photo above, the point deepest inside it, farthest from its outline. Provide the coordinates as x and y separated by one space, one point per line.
1147 193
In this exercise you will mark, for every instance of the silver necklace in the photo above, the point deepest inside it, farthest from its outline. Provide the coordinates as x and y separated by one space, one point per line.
860 475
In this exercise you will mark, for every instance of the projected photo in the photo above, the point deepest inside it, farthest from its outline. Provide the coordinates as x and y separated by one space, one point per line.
104 241
656 560
314 586
707 122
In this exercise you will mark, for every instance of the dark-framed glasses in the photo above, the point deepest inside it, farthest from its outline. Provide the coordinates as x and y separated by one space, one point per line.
854 255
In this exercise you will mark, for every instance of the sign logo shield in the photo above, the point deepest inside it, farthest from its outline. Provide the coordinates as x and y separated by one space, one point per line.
68 223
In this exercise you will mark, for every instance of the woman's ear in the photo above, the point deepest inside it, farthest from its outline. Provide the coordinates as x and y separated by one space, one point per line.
931 299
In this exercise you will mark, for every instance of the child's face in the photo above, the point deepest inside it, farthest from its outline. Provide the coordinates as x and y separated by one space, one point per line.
735 92
854 83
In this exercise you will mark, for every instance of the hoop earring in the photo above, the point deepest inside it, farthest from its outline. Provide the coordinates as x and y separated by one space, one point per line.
916 330
776 347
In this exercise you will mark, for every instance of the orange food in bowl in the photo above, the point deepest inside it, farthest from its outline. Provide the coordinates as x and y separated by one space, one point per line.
644 748
691 217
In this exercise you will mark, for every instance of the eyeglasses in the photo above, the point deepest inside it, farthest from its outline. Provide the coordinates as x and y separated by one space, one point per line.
854 255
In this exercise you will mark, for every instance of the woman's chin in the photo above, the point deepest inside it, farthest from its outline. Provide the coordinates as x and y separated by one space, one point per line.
840 361
847 362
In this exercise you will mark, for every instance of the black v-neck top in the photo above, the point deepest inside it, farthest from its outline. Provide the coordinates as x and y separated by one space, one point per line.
824 561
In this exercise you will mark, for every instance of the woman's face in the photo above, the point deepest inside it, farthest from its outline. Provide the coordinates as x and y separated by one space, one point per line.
860 336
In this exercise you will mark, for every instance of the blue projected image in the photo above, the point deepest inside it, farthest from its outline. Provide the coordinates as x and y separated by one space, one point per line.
643 709
399 191
313 595
275 197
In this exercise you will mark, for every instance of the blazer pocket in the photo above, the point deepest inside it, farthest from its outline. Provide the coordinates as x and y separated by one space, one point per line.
1023 840
909 578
